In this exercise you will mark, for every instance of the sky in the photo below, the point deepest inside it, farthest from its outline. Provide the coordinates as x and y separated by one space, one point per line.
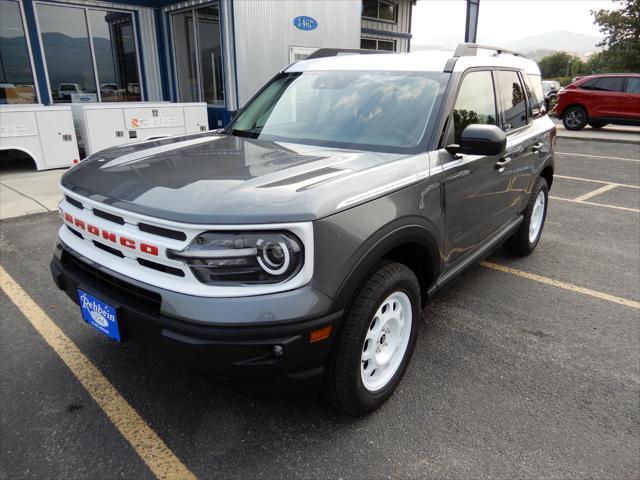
503 20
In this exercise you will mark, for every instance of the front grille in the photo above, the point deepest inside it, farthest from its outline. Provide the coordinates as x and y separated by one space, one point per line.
108 216
160 267
74 202
163 232
129 294
108 249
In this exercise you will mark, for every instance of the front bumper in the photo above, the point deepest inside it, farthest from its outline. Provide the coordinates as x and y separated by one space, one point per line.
233 351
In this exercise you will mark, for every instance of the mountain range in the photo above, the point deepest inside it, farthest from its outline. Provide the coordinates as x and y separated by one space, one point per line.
561 40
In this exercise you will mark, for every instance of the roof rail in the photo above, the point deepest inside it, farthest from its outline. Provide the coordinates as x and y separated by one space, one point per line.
334 52
471 50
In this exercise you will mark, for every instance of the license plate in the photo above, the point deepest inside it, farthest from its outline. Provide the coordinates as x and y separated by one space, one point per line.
99 315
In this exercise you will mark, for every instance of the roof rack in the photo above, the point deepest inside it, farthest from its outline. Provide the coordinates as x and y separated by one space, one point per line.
334 52
471 50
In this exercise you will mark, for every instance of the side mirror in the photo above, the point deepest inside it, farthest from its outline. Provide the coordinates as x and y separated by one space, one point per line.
478 139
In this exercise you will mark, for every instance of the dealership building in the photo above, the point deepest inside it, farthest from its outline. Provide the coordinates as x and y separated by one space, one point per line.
217 52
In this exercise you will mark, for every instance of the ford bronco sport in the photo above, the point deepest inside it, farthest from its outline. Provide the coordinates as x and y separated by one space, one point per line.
301 243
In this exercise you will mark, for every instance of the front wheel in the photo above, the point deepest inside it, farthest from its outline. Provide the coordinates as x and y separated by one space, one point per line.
376 342
526 238
574 118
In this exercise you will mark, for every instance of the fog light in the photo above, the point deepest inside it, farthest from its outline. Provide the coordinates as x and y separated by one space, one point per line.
278 351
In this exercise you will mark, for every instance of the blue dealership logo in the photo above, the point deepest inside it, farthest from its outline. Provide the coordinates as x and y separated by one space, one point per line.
305 23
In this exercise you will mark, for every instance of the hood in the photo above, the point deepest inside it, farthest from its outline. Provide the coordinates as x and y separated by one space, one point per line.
222 179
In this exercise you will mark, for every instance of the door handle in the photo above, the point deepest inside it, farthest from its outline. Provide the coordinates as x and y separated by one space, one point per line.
536 147
500 166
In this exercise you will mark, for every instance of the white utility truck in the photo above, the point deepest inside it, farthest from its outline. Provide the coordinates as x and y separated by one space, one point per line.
102 125
44 133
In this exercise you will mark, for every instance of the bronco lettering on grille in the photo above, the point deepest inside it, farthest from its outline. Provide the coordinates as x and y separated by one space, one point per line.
110 236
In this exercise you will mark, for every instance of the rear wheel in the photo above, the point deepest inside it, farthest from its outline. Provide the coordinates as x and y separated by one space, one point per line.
574 118
376 342
526 238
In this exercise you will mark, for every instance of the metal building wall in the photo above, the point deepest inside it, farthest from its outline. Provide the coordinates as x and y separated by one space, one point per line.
264 31
403 26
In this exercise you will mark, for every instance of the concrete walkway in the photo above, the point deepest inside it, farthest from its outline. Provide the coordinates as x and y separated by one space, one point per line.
23 192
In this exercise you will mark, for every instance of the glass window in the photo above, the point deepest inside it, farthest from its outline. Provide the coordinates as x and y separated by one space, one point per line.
370 8
16 76
610 84
65 39
210 54
387 11
382 45
513 100
633 85
368 44
368 110
536 97
116 60
186 66
379 9
476 103
198 55
74 57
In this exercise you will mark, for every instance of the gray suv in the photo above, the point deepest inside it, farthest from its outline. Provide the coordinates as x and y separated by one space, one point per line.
299 245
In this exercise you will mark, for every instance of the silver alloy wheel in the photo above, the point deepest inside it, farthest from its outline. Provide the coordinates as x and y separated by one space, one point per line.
386 342
535 224
574 118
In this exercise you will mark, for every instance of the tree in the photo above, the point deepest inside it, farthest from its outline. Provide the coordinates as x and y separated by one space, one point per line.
622 37
561 64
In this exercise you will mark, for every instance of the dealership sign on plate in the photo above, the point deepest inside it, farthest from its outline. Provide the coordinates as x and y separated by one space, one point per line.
305 23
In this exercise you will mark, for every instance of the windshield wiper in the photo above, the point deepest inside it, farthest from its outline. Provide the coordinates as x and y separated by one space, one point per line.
245 133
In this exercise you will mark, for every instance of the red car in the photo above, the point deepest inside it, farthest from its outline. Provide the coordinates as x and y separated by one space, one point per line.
598 100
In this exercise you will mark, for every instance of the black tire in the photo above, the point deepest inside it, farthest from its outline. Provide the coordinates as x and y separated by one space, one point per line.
520 243
574 118
343 386
594 124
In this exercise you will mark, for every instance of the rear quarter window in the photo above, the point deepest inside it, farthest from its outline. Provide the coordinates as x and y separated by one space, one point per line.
536 95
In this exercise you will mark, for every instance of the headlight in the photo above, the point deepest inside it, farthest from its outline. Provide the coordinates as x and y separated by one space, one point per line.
228 258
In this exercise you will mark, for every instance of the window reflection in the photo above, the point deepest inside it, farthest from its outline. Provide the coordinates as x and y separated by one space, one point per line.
16 77
70 54
115 50
198 55
210 54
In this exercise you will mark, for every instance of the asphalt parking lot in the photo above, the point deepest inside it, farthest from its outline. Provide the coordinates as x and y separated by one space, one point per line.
524 368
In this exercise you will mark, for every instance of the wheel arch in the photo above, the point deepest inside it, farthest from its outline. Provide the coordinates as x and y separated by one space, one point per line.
27 152
575 104
411 242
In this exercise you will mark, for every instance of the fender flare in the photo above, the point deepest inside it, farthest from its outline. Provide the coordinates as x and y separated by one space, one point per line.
404 230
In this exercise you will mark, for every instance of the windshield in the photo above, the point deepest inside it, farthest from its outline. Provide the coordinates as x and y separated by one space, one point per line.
368 110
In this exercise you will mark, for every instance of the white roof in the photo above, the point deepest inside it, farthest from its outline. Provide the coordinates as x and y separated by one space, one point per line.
423 61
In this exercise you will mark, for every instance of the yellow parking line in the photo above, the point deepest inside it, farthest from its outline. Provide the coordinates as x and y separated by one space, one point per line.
153 451
566 286
598 191
594 204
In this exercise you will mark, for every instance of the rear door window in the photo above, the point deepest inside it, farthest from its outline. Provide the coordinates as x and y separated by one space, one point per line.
535 96
476 102
633 85
512 100
608 84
